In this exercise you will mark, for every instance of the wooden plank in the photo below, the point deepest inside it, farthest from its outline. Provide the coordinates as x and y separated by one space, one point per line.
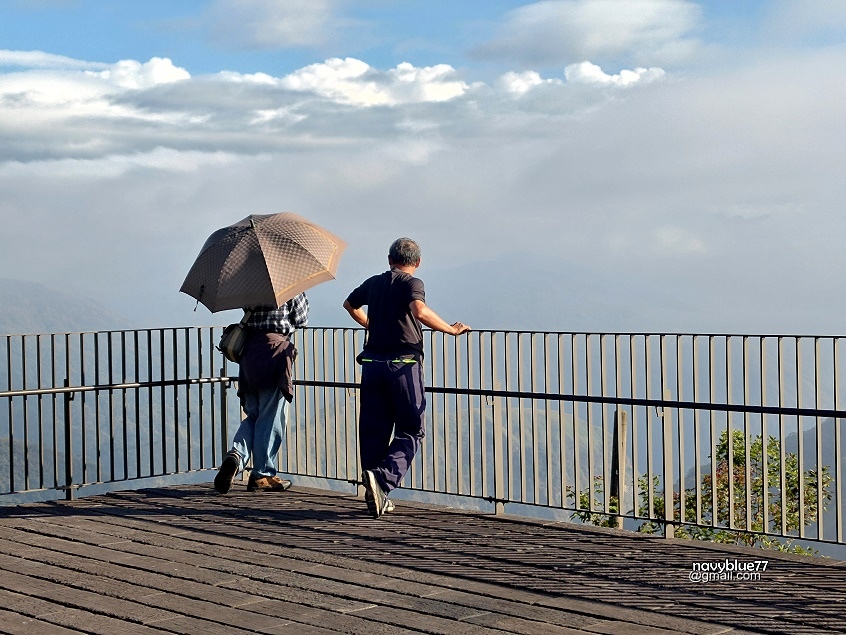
324 583
102 595
63 595
12 623
312 560
75 619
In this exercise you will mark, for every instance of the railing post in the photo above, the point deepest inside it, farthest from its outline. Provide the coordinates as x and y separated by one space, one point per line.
224 415
69 493
499 472
669 502
618 462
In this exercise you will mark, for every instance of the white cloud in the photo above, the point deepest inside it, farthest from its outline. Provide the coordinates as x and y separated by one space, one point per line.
248 78
110 167
553 32
427 84
587 73
132 74
274 24
721 175
354 82
39 59
171 107
344 80
285 113
521 83
75 111
677 241
757 211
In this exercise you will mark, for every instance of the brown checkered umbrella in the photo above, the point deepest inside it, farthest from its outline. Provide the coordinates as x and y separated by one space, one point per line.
262 261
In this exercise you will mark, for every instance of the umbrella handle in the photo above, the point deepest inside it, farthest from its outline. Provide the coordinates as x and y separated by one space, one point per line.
202 288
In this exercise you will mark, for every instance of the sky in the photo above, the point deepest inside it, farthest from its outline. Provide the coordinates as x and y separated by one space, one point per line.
565 165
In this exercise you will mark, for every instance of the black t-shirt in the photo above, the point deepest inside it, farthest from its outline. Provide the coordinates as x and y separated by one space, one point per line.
392 329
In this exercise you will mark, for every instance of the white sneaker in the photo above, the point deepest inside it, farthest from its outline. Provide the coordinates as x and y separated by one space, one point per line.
375 497
368 498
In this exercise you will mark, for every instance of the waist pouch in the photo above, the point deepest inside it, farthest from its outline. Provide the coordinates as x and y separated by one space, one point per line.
369 358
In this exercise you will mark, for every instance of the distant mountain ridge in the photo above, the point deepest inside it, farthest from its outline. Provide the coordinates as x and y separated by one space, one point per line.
29 307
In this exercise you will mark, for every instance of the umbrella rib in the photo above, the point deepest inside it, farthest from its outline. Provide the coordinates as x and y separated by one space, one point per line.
232 254
302 252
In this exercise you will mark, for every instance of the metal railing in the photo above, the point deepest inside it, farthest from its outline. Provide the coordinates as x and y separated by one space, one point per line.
678 432
82 409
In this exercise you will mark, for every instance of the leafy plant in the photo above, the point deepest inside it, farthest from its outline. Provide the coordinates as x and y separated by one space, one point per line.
600 519
748 498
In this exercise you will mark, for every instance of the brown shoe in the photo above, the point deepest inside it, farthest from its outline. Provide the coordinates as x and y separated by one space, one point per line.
267 484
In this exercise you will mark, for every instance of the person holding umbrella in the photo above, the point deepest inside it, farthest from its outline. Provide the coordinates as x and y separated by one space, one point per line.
265 387
393 403
264 262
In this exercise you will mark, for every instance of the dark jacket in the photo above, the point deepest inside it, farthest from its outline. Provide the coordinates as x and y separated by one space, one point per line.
268 362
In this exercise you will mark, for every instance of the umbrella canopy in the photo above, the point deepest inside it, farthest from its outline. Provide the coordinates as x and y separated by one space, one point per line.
262 261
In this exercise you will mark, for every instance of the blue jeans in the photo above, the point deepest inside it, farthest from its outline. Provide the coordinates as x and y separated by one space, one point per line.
262 430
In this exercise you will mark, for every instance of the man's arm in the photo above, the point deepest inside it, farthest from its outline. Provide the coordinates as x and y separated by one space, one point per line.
429 318
359 315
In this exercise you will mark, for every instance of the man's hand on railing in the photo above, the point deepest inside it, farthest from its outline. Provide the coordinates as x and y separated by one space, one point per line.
459 328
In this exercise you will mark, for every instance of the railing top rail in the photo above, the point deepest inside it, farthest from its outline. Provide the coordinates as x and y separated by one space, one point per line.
484 330
475 392
60 390
113 331
625 333
611 400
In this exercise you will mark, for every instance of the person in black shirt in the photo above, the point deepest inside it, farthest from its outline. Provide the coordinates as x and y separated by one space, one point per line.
393 403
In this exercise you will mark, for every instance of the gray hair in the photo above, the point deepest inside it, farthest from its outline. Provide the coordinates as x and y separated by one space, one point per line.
404 251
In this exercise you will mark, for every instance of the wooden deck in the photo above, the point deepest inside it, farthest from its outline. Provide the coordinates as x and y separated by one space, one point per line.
186 560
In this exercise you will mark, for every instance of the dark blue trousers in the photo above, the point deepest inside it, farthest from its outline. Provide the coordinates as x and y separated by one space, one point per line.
391 420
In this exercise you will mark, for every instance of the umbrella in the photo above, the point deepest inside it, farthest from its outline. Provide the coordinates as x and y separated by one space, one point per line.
262 261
